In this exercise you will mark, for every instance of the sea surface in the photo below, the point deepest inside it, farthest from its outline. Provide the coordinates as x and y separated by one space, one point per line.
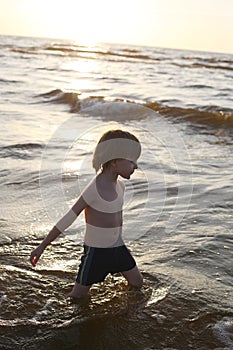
56 99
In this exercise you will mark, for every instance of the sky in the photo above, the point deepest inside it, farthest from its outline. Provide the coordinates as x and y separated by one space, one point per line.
205 25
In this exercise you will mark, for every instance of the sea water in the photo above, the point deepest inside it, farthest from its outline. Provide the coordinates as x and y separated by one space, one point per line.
57 98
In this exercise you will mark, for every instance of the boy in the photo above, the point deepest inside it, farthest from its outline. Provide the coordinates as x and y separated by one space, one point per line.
102 200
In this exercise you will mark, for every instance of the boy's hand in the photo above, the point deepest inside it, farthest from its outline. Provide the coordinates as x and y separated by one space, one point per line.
35 255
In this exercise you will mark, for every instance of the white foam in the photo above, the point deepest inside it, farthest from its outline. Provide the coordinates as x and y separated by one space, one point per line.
223 329
158 295
115 110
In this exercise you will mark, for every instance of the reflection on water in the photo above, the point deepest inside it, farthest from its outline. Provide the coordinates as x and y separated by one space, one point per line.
35 313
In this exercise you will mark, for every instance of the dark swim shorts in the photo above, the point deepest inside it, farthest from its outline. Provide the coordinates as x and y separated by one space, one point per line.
97 263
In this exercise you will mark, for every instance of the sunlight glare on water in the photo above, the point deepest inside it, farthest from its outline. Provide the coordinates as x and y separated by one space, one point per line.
57 99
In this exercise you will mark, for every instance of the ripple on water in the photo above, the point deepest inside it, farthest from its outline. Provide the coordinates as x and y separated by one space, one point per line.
43 300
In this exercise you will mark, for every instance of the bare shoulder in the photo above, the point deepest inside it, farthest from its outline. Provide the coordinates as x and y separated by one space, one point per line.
90 191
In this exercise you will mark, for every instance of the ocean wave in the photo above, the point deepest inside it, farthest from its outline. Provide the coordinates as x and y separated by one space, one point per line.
121 53
83 51
198 86
31 179
207 66
209 60
211 115
29 145
58 96
21 150
8 81
76 50
202 65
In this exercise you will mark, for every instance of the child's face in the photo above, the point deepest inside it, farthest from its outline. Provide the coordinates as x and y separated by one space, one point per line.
125 167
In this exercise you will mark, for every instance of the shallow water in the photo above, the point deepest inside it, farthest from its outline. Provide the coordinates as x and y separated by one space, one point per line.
56 100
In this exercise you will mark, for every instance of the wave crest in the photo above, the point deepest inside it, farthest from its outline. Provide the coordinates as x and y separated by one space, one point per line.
122 109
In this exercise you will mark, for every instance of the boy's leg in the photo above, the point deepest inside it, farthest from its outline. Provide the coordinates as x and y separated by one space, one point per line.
79 291
134 277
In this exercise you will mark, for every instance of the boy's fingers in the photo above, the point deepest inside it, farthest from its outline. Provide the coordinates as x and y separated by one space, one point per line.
33 259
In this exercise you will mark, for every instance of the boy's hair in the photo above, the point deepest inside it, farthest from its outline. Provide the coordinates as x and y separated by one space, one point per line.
115 144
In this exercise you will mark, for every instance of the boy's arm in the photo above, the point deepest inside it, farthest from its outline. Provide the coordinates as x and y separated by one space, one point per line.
71 215
62 224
